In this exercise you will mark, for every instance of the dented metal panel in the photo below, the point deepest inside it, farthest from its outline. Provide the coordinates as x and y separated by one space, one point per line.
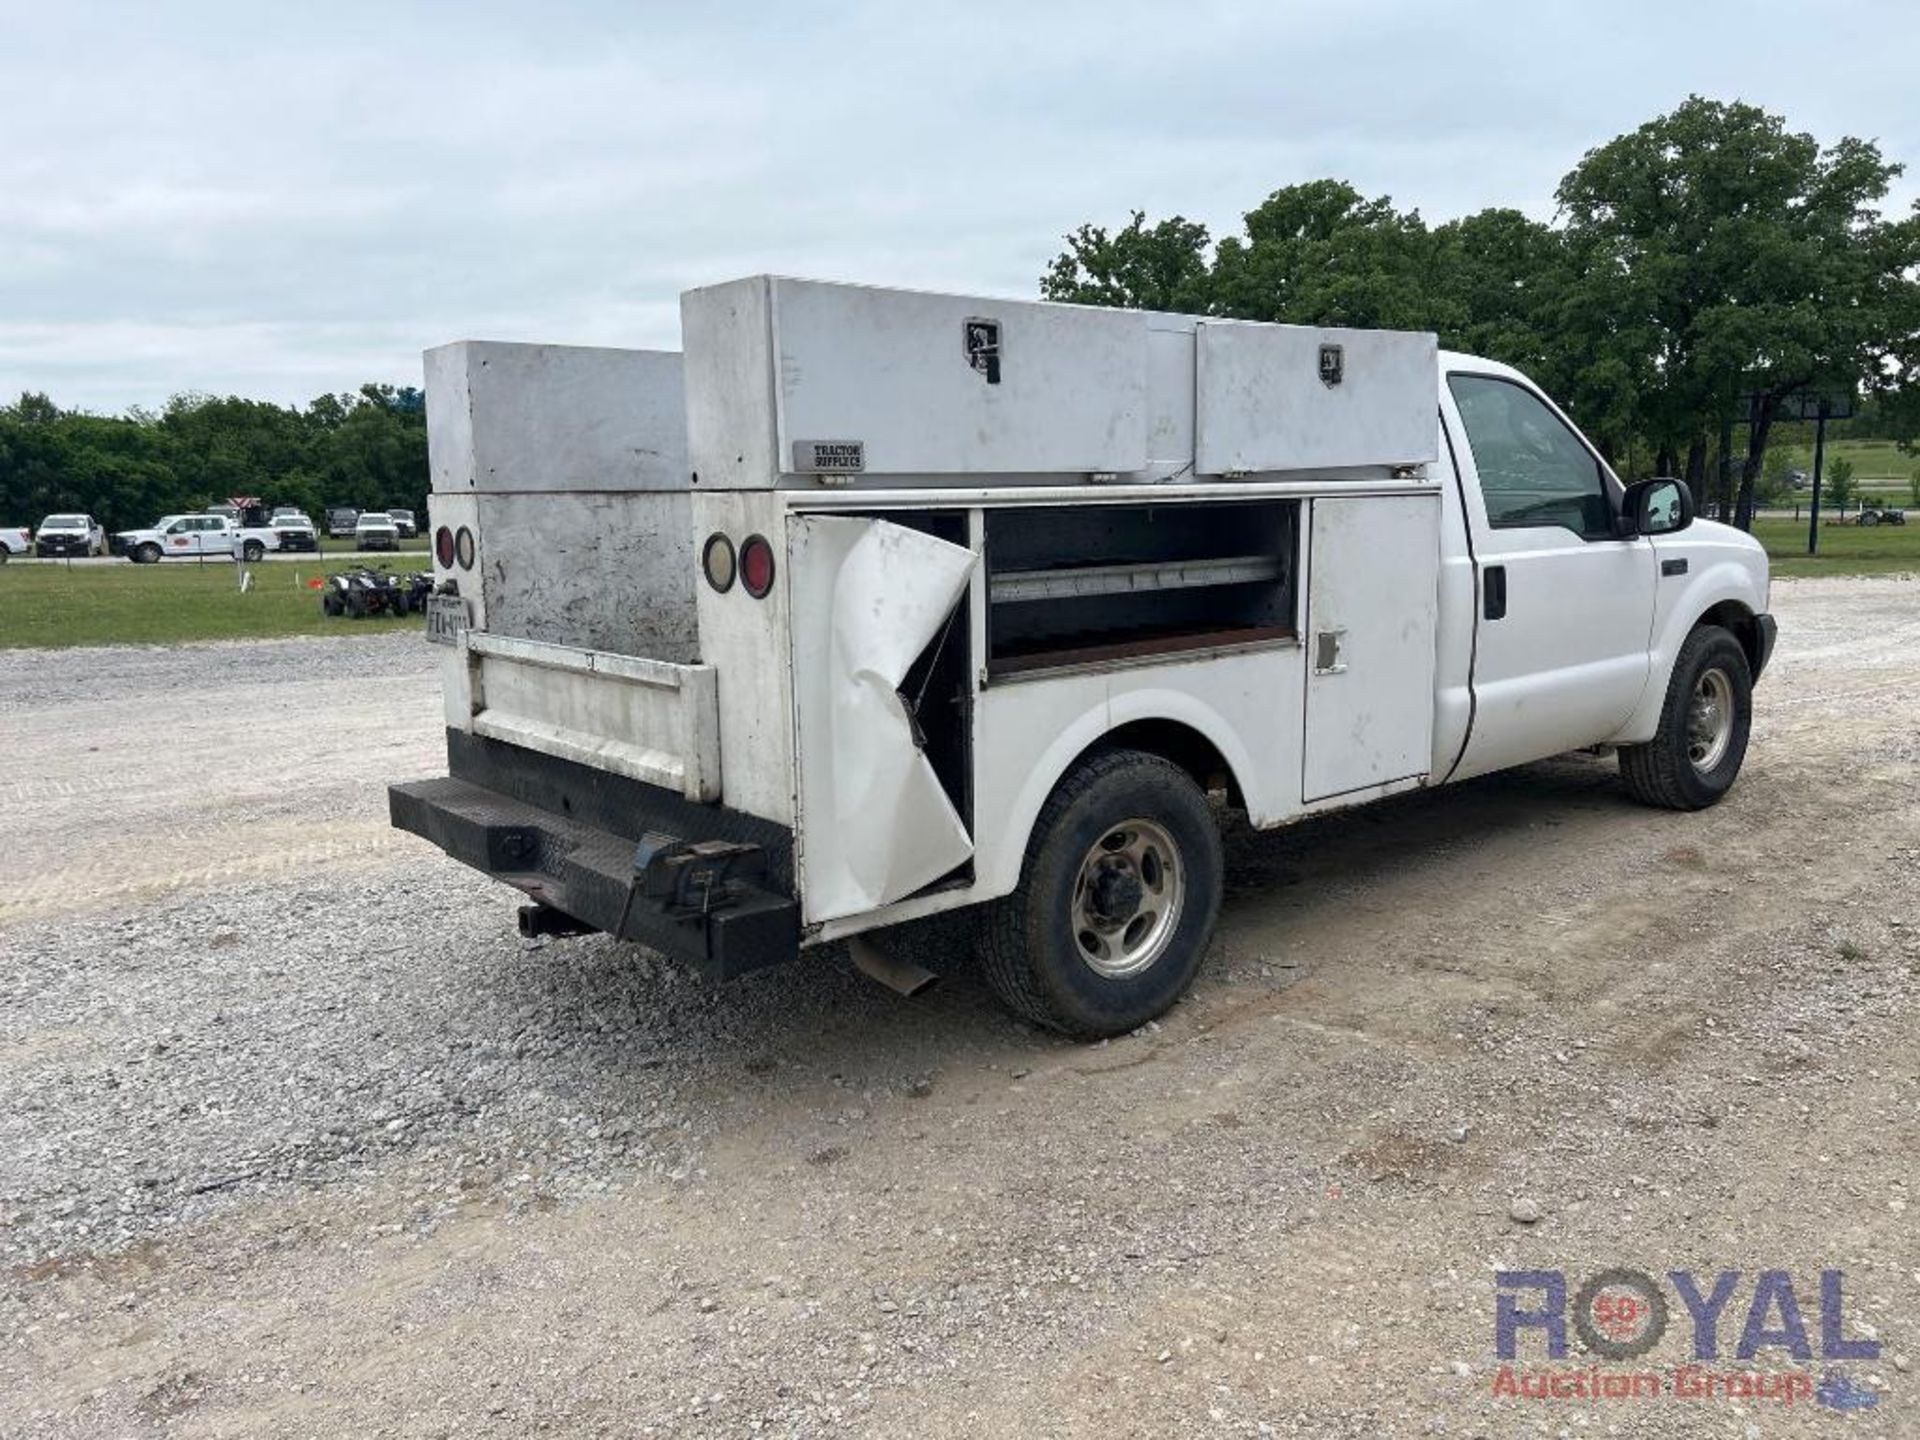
868 597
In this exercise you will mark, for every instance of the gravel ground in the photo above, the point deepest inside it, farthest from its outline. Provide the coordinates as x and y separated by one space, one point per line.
301 1138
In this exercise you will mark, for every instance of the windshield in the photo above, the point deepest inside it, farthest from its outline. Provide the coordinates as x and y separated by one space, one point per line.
64 522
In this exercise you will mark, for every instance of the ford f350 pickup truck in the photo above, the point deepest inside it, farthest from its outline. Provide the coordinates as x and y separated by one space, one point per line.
879 604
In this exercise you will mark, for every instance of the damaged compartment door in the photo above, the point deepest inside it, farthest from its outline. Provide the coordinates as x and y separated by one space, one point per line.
1373 568
875 823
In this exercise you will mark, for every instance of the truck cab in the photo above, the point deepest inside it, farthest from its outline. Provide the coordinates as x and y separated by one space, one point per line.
875 605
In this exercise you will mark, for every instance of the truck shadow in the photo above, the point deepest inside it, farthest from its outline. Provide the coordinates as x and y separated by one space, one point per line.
820 1016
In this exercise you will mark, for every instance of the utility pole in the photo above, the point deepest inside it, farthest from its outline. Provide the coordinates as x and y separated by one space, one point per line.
1819 456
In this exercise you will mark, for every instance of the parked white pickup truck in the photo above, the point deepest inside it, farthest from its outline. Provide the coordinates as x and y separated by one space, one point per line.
941 602
70 534
173 537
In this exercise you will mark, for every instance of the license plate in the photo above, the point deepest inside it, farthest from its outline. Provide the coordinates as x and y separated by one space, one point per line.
446 618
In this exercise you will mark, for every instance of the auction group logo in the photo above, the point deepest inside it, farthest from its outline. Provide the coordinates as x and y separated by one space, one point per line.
1619 1315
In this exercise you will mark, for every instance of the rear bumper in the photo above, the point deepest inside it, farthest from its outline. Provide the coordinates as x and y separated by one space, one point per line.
704 884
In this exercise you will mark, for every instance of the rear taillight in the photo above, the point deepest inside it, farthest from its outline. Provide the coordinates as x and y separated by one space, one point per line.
756 566
717 560
463 547
443 547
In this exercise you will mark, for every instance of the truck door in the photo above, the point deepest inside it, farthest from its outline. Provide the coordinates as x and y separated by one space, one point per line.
1565 608
1373 565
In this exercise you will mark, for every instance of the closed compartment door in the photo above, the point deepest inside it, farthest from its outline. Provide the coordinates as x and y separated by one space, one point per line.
1372 566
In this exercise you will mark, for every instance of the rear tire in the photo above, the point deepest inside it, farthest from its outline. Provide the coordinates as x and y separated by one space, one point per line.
252 552
1695 754
1118 896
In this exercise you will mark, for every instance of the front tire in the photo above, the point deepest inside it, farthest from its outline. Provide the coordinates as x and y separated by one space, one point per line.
1696 753
1117 899
147 554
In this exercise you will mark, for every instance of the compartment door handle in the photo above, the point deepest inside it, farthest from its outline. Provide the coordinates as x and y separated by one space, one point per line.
1494 586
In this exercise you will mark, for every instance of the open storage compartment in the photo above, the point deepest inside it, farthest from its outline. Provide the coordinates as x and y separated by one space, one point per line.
1071 586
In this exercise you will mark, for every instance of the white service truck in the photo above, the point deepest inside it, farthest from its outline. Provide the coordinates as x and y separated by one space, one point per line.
175 537
880 604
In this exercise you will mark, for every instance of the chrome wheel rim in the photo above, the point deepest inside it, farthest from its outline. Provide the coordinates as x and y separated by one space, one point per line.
1127 898
1710 720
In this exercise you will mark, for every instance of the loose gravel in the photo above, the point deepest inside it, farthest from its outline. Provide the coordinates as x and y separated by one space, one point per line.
326 1148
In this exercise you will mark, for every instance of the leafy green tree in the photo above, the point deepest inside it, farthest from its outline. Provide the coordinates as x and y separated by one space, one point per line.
1709 255
1162 267
1838 483
1733 256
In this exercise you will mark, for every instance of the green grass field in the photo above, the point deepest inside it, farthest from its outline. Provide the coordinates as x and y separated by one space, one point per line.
1844 549
1878 466
45 605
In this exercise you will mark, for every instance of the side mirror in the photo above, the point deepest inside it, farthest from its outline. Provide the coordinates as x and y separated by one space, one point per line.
1657 507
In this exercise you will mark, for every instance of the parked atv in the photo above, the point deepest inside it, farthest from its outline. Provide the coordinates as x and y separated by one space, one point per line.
359 593
1875 514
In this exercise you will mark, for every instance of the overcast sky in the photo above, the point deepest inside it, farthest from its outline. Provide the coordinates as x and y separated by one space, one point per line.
219 197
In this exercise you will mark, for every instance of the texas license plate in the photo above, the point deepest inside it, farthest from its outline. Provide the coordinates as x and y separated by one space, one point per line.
446 618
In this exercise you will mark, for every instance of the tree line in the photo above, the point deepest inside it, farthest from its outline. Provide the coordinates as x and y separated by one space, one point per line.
367 449
1699 271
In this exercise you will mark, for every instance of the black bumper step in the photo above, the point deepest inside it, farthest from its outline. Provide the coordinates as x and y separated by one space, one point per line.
707 901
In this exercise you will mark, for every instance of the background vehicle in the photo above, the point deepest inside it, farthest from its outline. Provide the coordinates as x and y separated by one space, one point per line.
340 520
177 536
374 531
294 531
976 601
405 523
1874 512
14 540
70 535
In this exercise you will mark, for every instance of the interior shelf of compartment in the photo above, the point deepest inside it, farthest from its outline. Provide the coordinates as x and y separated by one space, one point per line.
1071 586
1073 581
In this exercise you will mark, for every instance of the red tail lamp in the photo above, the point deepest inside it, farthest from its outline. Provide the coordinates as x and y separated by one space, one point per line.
756 566
443 547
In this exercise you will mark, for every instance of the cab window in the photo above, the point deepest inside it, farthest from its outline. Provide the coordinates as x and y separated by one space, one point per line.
1534 471
177 527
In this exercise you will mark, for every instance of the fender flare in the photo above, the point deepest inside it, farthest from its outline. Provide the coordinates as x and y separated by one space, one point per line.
1156 707
1725 587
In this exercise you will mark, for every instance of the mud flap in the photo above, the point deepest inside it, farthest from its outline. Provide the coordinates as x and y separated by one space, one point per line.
875 824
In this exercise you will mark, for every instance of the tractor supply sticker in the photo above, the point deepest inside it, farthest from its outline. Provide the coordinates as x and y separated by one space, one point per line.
829 457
